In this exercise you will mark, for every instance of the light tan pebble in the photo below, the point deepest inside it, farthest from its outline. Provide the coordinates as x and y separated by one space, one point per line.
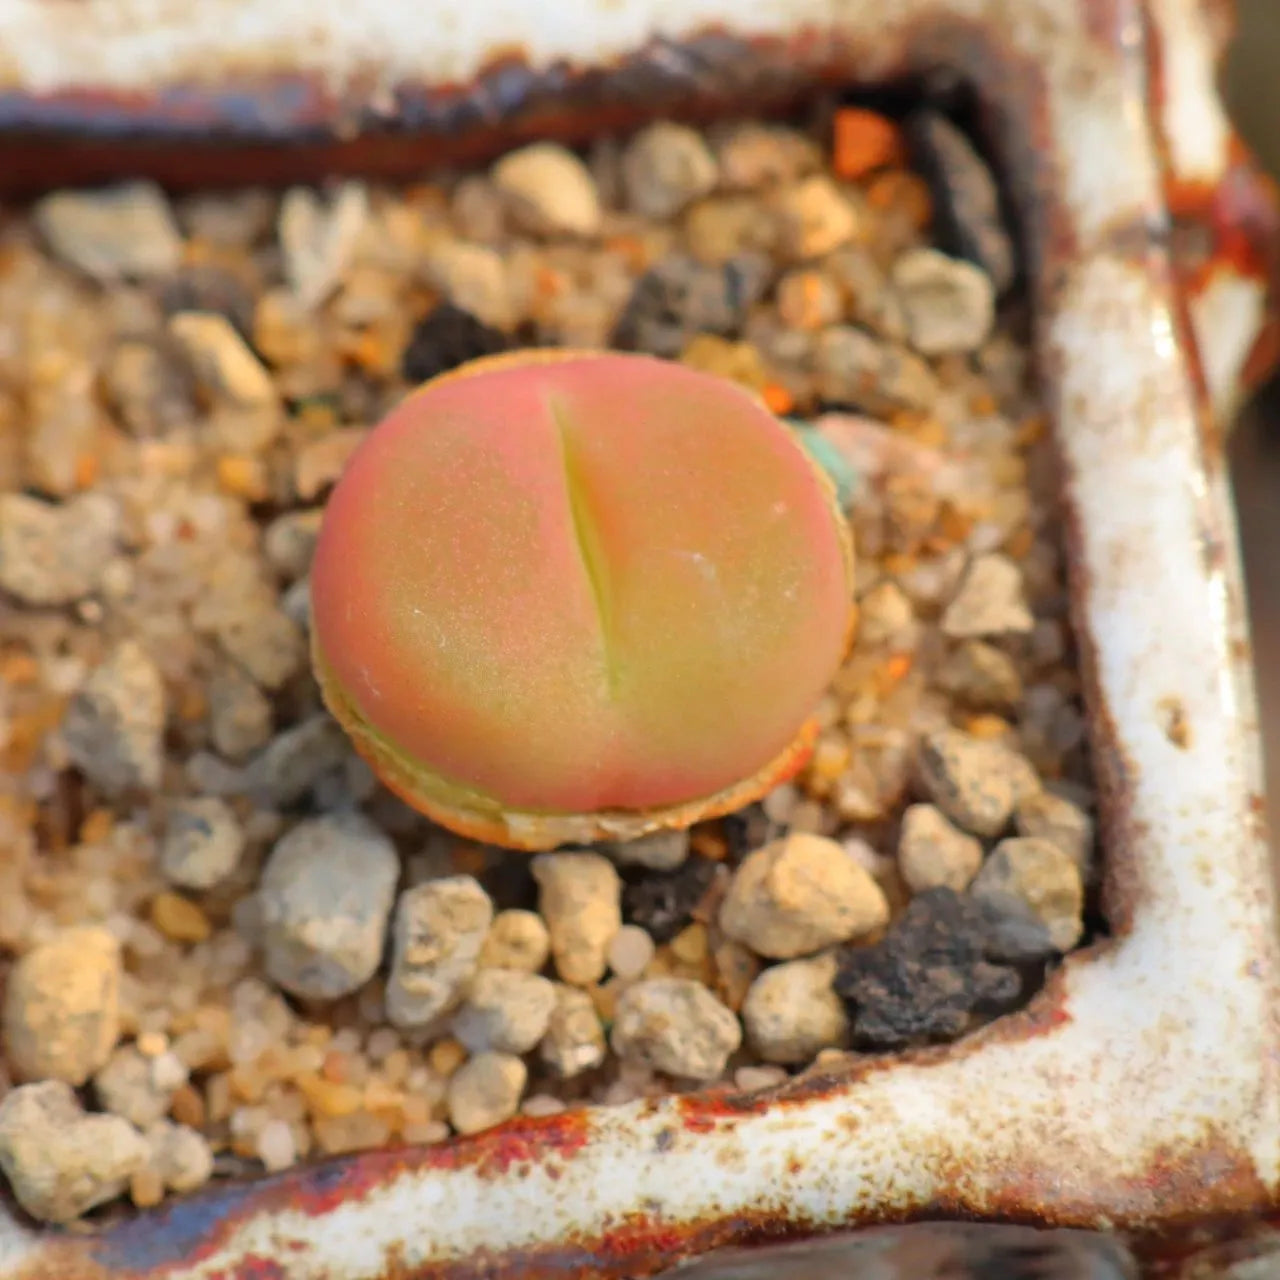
425 1133
659 851
757 1079
382 1043
139 1088
719 229
574 1042
886 617
754 155
318 239
676 1026
203 842
477 210
815 217
275 1146
516 940
485 1091
60 1161
875 376
122 232
146 1188
950 304
798 895
326 891
630 951
147 389
239 713
180 1155
115 725
666 166
505 1010
780 803
791 1011
318 465
222 362
932 853
991 601
439 931
1044 877
974 781
474 278
62 1006
541 1104
1054 818
56 554
580 898
341 1135
981 677
548 190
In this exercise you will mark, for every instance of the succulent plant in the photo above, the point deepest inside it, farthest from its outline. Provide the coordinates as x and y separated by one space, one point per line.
568 596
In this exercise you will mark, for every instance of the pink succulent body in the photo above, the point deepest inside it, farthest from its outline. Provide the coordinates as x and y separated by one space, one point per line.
559 595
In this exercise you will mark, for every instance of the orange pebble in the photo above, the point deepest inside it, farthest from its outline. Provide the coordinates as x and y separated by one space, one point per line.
87 469
97 826
987 726
242 477
863 142
904 192
778 399
179 919
325 1098
446 1057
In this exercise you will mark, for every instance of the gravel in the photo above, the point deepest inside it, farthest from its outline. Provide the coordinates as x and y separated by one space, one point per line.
174 785
114 233
324 899
676 1026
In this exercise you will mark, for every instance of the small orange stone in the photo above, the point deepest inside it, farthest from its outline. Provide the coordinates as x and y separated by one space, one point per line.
179 919
902 192
446 1057
691 945
707 841
193 705
777 398
146 1188
864 141
97 826
1019 542
335 1068
19 668
987 726
1031 430
982 403
243 477
87 469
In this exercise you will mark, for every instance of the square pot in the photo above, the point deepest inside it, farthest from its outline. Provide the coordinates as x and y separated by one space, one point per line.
1141 1088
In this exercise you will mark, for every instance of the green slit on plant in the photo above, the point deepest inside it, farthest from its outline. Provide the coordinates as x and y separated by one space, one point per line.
587 539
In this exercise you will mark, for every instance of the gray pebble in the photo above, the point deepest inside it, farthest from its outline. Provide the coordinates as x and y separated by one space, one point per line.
114 728
290 541
676 1026
1044 877
263 639
203 841
505 1010
296 603
980 676
856 369
660 851
60 1161
239 713
1054 818
975 782
665 167
968 205
791 1011
113 233
55 555
326 892
440 927
869 296
294 761
574 1041
950 305
148 388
